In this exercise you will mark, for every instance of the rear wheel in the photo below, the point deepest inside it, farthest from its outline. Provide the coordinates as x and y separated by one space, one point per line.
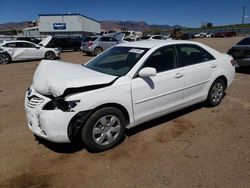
97 51
4 58
216 93
50 55
104 129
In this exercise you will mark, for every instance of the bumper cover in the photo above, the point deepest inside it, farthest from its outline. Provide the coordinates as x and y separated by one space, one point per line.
51 125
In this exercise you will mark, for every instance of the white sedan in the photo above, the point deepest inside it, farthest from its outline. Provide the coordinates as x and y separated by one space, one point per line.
126 85
24 50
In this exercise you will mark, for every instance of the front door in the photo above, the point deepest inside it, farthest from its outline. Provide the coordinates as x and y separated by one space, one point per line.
158 94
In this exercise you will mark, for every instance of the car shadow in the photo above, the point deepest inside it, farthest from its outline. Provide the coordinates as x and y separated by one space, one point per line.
78 145
243 70
163 119
61 147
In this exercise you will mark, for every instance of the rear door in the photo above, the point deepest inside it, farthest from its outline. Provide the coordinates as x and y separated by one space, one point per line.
29 50
198 66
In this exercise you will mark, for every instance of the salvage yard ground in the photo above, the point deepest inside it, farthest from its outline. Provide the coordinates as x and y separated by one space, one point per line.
195 147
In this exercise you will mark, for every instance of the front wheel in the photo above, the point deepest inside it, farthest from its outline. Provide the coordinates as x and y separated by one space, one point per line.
4 58
104 129
216 93
50 55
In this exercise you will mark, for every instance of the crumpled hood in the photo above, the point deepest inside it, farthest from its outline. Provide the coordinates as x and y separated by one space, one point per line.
54 77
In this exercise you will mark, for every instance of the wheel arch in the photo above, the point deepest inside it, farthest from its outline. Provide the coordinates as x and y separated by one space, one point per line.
77 122
98 47
224 78
47 52
119 107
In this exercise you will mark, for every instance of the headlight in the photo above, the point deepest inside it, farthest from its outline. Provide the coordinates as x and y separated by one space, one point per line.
60 103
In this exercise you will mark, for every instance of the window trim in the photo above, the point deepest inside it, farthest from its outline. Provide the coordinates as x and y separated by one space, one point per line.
178 48
176 64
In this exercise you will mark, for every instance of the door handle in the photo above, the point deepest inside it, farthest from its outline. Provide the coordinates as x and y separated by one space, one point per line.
213 66
178 75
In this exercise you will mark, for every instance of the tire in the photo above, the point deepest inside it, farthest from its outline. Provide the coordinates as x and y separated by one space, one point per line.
104 129
50 55
5 58
97 51
216 93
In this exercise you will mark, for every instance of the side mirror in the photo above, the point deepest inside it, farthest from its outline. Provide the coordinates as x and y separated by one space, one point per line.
40 45
147 72
37 47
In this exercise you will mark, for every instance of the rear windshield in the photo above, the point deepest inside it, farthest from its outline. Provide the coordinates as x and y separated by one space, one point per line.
245 41
87 39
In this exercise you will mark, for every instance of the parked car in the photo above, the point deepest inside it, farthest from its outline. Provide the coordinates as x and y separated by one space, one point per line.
95 45
131 36
124 86
153 37
24 50
210 35
200 35
220 35
31 39
241 52
64 43
230 34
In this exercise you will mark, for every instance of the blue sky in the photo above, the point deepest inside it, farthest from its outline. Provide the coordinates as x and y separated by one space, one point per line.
183 12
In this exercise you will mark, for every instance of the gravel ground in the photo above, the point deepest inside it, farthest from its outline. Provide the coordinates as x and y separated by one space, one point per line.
195 147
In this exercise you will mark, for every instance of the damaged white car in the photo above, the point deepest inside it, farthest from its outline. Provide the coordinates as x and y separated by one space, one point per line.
25 50
122 87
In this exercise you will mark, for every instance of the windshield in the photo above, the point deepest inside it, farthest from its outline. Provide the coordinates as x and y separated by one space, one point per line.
117 61
245 41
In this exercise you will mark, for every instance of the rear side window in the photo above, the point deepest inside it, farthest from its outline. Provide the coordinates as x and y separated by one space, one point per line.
26 45
10 45
245 41
192 54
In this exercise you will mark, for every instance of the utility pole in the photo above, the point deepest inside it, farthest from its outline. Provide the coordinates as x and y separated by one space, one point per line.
243 14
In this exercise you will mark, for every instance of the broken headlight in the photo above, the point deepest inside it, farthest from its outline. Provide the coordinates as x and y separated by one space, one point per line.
60 103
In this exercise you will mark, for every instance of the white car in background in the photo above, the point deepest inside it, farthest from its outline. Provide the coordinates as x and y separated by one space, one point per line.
153 37
124 86
25 50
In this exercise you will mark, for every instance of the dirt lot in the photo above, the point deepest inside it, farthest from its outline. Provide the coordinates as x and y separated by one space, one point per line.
196 147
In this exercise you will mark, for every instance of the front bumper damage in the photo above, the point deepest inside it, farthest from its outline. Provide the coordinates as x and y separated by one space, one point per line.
51 125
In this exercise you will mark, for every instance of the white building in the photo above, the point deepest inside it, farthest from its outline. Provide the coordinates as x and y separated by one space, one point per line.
31 32
63 24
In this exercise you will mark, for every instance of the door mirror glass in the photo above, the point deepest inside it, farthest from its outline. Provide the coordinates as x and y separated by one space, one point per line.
147 72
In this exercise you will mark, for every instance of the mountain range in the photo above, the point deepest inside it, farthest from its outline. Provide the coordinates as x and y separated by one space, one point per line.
105 25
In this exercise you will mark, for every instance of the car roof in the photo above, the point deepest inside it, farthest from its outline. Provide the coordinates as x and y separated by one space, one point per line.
154 43
10 41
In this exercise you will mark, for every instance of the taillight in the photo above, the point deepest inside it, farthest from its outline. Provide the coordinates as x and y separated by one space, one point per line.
90 43
234 63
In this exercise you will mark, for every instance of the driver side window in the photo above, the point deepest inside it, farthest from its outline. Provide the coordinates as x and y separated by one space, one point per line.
162 59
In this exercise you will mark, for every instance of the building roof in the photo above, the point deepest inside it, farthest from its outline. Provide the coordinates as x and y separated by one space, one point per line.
30 28
68 14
